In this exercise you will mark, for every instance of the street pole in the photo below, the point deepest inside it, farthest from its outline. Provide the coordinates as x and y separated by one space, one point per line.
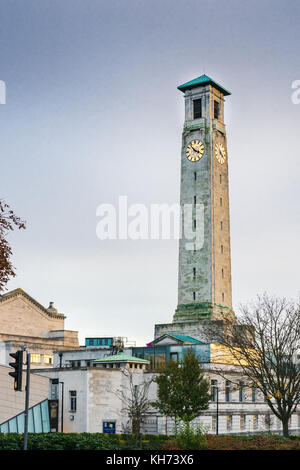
217 424
62 406
26 401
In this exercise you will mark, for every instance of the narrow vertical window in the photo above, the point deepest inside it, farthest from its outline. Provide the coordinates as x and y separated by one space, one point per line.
220 178
221 225
213 389
195 175
223 297
227 390
194 295
222 249
229 422
253 394
255 421
221 202
73 400
195 200
222 273
195 224
194 272
241 391
197 104
216 109
243 422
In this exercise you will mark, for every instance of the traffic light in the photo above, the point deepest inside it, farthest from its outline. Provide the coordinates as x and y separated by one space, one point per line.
17 365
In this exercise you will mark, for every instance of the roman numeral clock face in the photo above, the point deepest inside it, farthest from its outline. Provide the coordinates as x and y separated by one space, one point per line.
195 150
220 153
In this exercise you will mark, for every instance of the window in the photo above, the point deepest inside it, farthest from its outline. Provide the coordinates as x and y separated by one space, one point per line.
221 225
73 400
221 202
195 175
35 358
241 391
229 422
223 297
243 421
194 272
197 104
195 200
220 178
195 223
54 389
222 273
174 356
48 359
214 390
255 421
253 394
214 423
216 109
194 295
222 249
227 390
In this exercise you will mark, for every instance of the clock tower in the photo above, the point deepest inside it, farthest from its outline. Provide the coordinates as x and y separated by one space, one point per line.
204 272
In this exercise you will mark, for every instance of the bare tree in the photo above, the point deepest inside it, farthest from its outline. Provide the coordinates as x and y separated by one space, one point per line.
135 399
265 343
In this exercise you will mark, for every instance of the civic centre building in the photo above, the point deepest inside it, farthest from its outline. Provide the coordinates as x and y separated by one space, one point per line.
86 380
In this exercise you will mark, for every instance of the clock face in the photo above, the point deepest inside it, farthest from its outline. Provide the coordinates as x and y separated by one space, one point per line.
220 153
195 150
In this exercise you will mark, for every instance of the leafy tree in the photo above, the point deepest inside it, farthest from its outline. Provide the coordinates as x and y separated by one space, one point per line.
182 390
8 222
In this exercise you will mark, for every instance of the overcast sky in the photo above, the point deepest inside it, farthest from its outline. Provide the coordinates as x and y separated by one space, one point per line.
93 112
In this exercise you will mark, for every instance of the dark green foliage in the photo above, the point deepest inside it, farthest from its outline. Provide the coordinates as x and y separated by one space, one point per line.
82 441
182 390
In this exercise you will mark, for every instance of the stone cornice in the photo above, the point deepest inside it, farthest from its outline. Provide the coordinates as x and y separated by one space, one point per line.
20 292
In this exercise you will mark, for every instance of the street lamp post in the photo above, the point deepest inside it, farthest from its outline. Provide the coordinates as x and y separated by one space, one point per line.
62 407
216 388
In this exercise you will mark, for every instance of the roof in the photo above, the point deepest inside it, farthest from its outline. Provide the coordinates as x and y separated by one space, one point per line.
121 357
186 339
180 338
203 80
51 312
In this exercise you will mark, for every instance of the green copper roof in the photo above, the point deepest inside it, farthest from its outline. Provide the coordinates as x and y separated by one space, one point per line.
187 339
202 81
121 357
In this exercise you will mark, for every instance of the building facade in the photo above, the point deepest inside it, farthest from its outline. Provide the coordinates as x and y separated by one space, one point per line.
24 321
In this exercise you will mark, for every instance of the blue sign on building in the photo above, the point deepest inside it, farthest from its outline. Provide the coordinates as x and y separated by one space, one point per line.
109 427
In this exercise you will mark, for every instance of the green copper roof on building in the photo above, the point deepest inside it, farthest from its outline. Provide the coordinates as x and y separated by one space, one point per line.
202 81
186 339
121 357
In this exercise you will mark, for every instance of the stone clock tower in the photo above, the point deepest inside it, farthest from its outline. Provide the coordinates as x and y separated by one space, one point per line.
204 274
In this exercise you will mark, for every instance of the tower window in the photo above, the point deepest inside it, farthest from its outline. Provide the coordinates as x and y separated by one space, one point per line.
216 109
194 272
221 225
195 224
197 108
221 201
223 297
222 249
195 200
222 273
220 178
194 295
195 175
